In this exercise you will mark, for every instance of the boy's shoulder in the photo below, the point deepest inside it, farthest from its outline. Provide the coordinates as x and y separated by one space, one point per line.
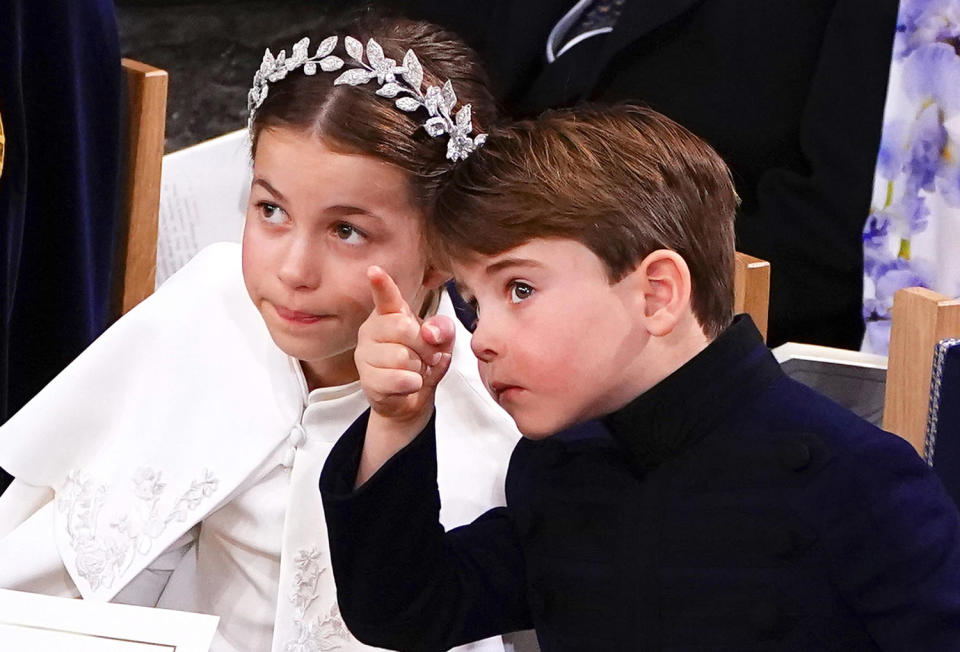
803 434
791 409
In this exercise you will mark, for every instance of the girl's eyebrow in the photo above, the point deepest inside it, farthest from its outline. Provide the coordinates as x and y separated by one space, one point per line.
335 210
260 181
352 210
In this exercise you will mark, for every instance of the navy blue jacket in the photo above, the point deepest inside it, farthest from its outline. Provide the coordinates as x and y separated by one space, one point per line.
727 508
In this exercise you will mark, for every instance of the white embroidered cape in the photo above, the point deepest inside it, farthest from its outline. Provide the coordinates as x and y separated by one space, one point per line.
141 436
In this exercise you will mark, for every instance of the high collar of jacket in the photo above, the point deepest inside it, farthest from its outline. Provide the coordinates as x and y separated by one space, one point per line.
683 407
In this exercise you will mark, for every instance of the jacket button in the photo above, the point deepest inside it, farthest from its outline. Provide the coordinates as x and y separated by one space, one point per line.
795 455
297 436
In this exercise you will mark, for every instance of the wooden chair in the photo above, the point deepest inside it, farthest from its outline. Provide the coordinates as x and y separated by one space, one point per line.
136 255
921 318
751 290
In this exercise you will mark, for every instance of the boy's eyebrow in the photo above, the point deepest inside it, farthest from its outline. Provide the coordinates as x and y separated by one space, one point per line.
464 290
260 181
493 268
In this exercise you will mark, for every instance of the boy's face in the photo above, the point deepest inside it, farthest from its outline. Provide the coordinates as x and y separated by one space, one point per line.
556 342
316 220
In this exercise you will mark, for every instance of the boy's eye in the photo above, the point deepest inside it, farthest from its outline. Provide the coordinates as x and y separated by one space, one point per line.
271 213
520 291
349 233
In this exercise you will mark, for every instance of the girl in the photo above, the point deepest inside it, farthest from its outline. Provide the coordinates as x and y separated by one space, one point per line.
176 461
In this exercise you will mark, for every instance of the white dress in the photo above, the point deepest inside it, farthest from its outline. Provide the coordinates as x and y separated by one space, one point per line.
183 454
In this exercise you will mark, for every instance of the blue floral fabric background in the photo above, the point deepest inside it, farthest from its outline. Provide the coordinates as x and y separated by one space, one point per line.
912 235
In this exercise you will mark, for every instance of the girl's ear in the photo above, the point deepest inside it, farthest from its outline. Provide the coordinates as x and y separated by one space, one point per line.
663 279
430 290
434 277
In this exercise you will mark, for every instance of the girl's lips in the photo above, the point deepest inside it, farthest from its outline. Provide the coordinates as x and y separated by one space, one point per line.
296 316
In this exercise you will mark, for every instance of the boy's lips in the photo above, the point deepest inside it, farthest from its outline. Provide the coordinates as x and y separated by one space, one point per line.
504 391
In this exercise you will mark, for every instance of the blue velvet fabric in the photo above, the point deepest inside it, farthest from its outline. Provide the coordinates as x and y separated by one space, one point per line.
946 458
60 85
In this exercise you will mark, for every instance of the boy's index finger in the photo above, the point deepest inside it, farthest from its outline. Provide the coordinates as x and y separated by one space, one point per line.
386 295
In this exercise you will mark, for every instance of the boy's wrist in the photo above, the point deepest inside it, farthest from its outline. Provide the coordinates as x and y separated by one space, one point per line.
399 430
385 437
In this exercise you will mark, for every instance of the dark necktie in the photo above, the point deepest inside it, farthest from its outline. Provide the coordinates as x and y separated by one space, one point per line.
601 14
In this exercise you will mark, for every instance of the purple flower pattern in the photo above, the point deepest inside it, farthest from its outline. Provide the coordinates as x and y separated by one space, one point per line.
916 201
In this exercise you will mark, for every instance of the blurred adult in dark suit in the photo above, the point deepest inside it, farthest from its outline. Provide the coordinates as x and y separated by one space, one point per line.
789 92
60 105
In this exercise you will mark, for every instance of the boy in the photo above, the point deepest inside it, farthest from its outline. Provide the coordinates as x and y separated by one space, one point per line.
726 507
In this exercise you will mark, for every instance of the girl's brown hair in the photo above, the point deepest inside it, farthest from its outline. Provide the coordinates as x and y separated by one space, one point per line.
624 181
354 119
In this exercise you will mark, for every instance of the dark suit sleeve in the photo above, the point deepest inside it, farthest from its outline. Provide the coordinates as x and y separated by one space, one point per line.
402 583
893 537
810 222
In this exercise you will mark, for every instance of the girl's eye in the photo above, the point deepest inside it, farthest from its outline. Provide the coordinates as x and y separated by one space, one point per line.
349 233
520 291
271 213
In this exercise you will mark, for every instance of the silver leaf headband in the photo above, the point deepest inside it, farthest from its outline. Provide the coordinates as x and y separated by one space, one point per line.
404 81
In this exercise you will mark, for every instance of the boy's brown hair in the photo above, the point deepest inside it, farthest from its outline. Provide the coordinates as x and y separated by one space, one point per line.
623 180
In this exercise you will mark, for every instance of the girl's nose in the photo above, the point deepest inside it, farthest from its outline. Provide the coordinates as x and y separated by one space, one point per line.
300 265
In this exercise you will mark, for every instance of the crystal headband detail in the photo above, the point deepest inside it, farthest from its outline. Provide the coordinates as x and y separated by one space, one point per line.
401 83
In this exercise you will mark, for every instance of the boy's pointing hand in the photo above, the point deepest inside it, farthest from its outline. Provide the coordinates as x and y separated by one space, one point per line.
400 360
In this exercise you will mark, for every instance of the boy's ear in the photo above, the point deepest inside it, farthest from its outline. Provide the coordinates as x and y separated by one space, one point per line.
663 279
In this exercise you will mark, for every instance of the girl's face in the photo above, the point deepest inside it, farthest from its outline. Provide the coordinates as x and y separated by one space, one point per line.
317 219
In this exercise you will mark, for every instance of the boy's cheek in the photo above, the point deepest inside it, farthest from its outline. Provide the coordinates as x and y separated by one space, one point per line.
483 368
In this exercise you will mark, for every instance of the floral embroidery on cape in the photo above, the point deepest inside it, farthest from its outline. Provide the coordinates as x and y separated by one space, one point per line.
326 631
103 554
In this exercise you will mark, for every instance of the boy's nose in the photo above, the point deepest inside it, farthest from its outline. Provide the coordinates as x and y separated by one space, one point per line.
482 343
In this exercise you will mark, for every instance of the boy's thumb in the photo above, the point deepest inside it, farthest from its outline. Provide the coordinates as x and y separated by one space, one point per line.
439 331
436 373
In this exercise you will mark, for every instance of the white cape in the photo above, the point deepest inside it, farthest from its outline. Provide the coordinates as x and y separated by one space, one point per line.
164 416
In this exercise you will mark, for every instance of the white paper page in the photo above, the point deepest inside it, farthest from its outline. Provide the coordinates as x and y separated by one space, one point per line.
203 197
29 622
20 637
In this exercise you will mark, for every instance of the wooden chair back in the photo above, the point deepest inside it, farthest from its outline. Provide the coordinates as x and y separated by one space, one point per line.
751 289
921 318
136 254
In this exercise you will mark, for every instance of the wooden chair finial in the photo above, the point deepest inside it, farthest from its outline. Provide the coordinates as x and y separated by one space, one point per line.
921 318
